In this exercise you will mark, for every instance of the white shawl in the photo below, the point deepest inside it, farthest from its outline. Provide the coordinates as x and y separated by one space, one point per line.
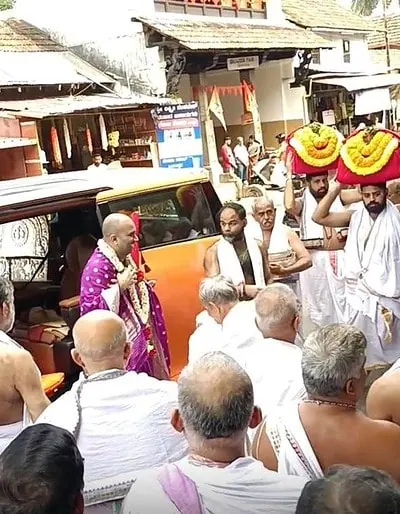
292 447
309 229
373 258
229 265
279 242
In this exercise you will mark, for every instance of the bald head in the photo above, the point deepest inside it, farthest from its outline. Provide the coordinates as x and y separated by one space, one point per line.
119 232
215 397
100 336
276 308
114 223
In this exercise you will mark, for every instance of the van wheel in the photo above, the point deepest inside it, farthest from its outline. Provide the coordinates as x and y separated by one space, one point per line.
253 190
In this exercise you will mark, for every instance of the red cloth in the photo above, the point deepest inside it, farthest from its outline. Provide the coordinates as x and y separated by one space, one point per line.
299 167
136 253
389 172
225 161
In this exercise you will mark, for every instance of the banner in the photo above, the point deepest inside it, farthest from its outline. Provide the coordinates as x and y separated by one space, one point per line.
179 135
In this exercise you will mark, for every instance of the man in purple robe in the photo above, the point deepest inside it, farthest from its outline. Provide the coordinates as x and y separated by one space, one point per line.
112 281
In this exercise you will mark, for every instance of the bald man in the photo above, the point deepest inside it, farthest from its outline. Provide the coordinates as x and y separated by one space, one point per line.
112 281
216 406
120 419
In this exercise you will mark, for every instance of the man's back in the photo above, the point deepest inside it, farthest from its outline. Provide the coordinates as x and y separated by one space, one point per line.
275 369
383 396
124 424
241 487
11 403
235 334
340 435
21 395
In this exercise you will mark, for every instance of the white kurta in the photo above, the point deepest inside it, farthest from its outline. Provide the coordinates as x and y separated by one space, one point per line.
373 282
322 286
235 333
243 487
274 367
125 426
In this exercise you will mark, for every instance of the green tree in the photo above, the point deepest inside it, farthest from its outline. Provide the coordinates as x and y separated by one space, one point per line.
367 7
6 4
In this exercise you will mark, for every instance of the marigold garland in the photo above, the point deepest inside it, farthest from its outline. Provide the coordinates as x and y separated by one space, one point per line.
368 151
317 145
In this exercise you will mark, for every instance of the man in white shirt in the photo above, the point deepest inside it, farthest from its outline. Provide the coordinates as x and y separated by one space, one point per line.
274 363
242 158
216 406
120 419
226 324
97 164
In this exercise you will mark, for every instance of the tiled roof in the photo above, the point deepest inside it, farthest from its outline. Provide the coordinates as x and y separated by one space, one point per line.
377 38
379 57
326 14
29 57
19 36
212 33
42 107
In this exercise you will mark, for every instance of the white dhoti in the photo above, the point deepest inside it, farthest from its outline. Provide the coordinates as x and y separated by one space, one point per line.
291 445
373 282
322 286
323 289
8 433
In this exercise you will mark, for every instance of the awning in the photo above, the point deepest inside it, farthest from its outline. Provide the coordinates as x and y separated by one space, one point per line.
360 83
54 106
16 142
202 33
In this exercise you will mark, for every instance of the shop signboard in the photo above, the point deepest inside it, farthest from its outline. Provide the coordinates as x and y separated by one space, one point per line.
250 62
178 135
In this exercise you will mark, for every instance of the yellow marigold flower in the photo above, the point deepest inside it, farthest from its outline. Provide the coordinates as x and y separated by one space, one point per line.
317 145
367 152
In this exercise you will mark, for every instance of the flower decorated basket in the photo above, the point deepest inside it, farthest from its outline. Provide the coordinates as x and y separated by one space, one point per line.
313 149
369 156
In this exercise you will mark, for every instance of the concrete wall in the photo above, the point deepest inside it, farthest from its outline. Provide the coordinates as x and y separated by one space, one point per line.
332 59
280 107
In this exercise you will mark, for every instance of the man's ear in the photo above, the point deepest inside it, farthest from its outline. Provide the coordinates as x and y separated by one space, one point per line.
245 222
127 351
351 387
296 323
176 421
77 358
256 417
5 310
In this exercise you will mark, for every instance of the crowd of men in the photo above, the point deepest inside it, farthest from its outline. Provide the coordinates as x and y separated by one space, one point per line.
269 415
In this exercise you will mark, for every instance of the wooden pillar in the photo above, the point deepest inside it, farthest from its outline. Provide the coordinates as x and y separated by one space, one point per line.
248 77
210 150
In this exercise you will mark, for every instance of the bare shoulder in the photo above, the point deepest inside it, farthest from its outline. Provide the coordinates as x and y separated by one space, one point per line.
23 361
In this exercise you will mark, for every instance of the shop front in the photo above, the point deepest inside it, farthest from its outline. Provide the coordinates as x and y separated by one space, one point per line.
72 130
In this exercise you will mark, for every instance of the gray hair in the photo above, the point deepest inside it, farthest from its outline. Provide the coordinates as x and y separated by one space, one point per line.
276 305
348 489
6 291
332 355
218 290
215 397
261 201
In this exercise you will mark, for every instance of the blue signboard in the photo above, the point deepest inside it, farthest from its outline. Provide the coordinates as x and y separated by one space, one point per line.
179 135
